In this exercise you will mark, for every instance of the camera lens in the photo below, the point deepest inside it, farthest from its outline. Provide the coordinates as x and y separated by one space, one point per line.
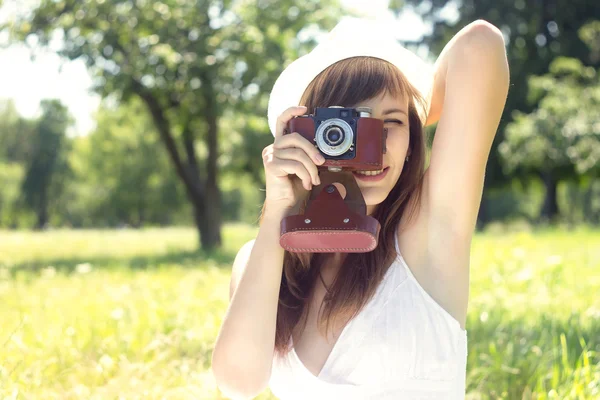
334 136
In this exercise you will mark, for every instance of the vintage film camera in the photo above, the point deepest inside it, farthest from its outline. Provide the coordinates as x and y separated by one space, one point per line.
349 139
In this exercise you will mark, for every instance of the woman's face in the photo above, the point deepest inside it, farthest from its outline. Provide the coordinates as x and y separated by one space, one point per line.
394 112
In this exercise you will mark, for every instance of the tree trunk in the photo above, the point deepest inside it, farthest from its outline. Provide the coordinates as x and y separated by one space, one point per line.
207 221
573 190
589 217
141 212
211 234
42 211
204 195
549 210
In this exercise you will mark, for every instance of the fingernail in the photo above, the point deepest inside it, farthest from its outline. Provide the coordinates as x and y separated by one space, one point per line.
320 158
318 181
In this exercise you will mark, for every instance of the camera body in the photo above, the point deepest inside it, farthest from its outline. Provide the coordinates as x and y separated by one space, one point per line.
348 138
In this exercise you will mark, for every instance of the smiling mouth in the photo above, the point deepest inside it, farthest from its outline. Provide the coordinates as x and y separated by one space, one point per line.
371 173
373 176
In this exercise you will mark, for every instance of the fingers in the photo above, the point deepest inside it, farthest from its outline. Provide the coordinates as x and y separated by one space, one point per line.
293 154
280 168
296 140
300 156
293 167
285 116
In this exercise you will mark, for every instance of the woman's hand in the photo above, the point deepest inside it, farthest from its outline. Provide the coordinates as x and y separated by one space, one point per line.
290 165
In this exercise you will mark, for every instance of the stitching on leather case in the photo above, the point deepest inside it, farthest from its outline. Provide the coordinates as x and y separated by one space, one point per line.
373 163
320 229
326 233
313 249
319 248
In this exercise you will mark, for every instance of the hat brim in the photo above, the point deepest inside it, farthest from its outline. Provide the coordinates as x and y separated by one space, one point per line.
350 38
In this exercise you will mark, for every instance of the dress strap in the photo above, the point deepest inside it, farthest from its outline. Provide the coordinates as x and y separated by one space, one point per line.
420 288
397 245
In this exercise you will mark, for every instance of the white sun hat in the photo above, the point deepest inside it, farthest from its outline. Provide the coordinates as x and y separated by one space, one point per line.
351 37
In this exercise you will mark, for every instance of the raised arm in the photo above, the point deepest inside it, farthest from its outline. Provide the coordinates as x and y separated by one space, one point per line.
469 93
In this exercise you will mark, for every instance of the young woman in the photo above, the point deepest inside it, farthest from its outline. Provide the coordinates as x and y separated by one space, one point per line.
389 323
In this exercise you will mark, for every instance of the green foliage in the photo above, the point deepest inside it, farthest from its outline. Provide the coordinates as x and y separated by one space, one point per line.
46 164
182 54
563 134
243 144
117 175
242 200
135 313
16 134
11 175
536 33
189 61
16 138
123 173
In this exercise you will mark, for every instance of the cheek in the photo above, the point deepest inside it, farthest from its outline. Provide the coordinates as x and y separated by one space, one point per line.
397 145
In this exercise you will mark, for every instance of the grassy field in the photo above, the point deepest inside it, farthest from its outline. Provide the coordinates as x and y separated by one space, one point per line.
134 314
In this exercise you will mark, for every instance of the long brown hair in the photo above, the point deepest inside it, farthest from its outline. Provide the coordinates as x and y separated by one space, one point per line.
347 83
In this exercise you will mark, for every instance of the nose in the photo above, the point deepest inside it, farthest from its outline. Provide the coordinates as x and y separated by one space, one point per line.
385 136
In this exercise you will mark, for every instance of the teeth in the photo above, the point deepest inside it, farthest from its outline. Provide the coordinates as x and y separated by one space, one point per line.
370 173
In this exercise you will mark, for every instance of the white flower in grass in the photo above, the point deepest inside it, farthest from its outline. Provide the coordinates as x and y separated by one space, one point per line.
83 268
483 317
82 391
525 274
518 252
536 350
554 260
117 313
184 368
593 313
48 272
106 362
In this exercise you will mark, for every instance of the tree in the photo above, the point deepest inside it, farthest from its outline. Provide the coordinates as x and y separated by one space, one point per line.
16 134
188 61
561 138
47 160
122 172
535 33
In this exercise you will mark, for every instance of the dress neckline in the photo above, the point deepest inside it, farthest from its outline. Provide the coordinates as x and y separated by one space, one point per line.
345 330
398 262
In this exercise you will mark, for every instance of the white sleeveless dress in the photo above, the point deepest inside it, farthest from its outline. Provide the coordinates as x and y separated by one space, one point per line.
402 345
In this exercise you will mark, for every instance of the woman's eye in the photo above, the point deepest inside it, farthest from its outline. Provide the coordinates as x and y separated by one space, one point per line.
394 120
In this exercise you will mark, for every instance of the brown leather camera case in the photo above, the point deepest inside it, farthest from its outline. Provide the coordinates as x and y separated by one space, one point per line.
331 223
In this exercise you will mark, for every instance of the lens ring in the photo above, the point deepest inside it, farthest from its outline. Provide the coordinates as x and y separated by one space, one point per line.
334 135
337 149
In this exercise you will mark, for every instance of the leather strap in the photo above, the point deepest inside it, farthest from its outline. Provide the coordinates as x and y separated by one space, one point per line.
332 223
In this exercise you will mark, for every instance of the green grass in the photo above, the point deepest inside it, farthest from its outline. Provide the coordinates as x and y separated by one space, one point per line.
134 314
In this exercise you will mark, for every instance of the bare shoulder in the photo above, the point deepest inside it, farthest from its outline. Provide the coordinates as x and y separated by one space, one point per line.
239 264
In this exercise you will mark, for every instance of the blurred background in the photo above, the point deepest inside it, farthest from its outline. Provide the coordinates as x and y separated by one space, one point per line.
131 134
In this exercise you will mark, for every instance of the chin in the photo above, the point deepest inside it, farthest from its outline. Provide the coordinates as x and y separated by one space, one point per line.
374 196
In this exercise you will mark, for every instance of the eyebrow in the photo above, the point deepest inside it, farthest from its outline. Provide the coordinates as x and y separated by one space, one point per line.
393 110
